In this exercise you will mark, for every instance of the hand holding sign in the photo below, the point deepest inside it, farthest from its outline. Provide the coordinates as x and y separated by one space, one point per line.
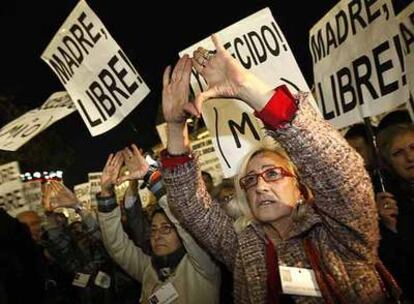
226 77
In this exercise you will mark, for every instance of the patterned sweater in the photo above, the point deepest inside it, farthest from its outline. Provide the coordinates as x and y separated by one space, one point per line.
344 229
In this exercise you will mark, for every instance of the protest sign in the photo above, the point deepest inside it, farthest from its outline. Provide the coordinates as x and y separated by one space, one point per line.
11 189
208 158
82 193
358 61
406 25
97 74
94 186
21 130
259 45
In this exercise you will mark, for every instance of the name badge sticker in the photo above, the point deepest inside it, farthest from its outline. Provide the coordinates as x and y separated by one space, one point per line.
299 281
165 295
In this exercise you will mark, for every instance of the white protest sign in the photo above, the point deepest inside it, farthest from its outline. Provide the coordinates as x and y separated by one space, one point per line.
21 130
11 189
101 80
9 172
208 158
406 23
259 45
32 192
357 61
82 193
94 186
234 130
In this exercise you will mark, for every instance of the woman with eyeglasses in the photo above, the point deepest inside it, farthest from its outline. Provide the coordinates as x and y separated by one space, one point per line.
312 235
177 270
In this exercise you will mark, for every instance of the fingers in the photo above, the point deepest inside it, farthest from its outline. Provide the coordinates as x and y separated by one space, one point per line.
166 76
122 179
135 150
127 153
178 69
56 186
191 109
197 66
200 58
137 153
201 98
117 160
217 43
382 195
187 70
109 160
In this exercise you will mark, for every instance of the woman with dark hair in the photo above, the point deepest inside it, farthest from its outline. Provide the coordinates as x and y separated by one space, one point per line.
177 269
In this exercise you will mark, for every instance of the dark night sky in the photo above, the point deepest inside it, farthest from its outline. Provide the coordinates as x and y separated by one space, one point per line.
151 33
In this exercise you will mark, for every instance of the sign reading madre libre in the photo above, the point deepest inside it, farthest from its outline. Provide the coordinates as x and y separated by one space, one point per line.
101 80
358 61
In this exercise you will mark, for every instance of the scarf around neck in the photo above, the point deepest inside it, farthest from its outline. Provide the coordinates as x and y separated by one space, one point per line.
166 265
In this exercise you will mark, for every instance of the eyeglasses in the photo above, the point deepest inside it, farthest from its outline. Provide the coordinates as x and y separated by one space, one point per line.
270 175
164 230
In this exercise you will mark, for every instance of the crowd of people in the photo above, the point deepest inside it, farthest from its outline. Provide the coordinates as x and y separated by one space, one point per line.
314 218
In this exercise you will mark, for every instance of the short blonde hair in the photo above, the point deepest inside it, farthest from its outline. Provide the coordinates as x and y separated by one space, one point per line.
386 138
244 206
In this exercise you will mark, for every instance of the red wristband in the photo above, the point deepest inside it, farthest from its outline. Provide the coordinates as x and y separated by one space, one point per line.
171 161
280 109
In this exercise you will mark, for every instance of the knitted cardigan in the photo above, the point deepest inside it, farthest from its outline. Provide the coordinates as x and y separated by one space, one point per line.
344 229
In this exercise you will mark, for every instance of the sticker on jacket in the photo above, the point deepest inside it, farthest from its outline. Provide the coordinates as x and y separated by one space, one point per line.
81 279
165 295
103 280
299 281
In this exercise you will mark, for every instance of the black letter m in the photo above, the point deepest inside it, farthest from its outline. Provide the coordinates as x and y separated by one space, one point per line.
241 128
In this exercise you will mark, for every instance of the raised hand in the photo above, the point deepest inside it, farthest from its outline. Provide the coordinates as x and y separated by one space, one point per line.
175 93
62 196
110 174
46 197
227 78
176 89
135 162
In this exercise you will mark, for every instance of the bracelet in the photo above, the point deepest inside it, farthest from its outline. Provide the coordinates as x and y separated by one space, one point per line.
171 161
147 176
106 204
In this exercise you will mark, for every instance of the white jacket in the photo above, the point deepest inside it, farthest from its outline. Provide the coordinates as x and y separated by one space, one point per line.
196 278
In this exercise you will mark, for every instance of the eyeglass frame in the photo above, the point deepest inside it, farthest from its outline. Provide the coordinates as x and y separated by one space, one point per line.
283 173
162 230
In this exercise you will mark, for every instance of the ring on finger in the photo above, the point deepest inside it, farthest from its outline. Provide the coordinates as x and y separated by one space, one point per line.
209 54
203 61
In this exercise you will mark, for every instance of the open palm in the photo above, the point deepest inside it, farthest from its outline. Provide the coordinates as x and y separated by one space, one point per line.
135 162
